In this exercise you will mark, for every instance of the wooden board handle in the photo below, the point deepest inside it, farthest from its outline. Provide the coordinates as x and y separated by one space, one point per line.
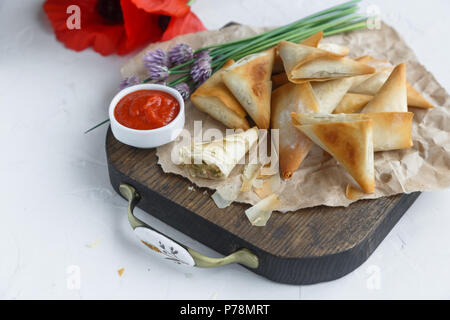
170 249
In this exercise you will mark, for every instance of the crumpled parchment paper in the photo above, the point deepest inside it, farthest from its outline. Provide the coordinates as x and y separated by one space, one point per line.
321 180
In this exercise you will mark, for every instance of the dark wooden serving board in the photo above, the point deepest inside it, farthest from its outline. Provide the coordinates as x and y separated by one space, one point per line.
308 246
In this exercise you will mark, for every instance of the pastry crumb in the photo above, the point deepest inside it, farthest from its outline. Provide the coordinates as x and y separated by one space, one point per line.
353 193
93 244
121 271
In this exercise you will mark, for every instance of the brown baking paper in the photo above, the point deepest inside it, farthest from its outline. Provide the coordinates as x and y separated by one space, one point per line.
321 180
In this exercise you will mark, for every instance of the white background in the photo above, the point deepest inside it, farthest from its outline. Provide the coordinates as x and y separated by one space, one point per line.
59 214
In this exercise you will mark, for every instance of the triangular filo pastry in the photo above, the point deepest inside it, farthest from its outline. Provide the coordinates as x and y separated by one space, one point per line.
249 81
348 138
374 62
216 160
415 99
315 41
303 63
391 130
214 98
372 84
335 48
330 93
312 41
293 145
352 103
392 95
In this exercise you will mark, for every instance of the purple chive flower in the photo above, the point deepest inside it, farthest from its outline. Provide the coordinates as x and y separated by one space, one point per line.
180 53
158 72
204 54
183 89
201 70
158 57
128 82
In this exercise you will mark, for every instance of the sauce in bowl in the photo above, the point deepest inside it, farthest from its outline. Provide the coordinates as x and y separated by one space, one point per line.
146 109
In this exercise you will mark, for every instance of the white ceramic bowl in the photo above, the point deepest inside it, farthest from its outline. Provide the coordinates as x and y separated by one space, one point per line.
147 138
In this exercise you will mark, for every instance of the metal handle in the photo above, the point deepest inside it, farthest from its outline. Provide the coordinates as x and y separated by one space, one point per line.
171 249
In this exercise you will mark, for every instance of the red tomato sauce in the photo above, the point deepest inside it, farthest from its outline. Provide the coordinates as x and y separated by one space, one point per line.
146 109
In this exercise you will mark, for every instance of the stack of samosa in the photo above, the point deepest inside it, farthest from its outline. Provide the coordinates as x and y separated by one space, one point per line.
313 93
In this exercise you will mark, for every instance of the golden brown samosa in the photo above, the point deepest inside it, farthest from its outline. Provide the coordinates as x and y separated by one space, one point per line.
415 99
391 130
371 84
352 102
348 138
312 41
335 48
249 81
330 93
378 64
392 95
214 98
303 63
293 145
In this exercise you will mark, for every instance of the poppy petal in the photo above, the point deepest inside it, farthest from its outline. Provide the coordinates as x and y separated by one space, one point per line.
93 31
190 23
141 27
173 8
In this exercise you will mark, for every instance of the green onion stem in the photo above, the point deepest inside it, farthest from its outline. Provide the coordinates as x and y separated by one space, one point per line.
352 27
179 80
181 65
262 45
279 30
319 22
294 36
179 71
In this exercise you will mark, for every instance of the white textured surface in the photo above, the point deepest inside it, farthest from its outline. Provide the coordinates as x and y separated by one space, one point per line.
59 214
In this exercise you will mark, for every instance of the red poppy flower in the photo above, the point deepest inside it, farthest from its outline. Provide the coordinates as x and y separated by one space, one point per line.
119 25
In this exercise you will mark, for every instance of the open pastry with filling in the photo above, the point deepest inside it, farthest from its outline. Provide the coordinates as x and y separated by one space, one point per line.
216 160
